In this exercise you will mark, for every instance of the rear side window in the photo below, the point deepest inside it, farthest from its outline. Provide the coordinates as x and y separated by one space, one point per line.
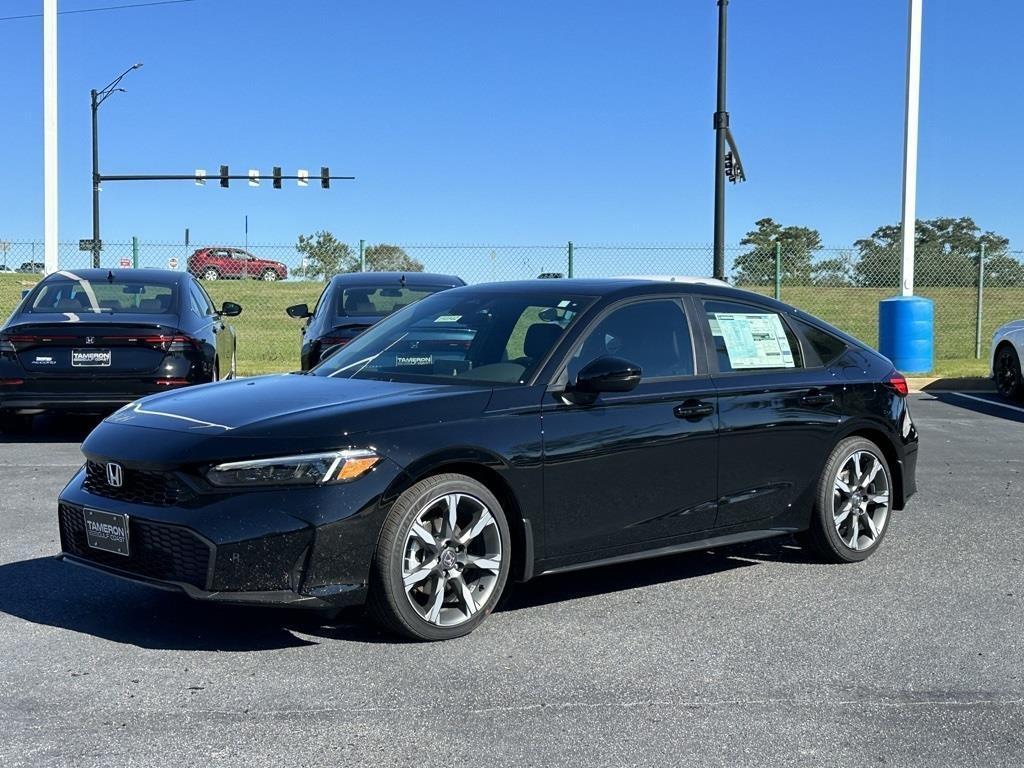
824 344
749 338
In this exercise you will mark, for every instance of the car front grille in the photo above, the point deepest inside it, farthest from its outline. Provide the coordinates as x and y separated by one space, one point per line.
138 486
161 552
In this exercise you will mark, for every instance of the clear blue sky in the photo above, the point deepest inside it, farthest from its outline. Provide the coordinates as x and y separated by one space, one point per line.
514 122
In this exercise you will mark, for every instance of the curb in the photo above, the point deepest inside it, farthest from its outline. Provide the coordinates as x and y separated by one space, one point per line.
963 384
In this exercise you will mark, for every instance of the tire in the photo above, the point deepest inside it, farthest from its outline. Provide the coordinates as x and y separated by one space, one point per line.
18 424
269 276
849 527
445 577
1007 373
211 273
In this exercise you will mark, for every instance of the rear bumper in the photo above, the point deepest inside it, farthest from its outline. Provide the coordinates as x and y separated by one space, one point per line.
78 402
908 465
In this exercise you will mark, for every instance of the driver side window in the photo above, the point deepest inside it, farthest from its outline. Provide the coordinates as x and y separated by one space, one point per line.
653 334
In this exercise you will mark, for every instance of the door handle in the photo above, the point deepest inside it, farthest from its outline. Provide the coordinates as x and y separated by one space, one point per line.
693 409
815 397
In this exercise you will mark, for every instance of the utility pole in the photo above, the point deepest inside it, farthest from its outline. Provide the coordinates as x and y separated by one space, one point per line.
51 230
721 123
910 128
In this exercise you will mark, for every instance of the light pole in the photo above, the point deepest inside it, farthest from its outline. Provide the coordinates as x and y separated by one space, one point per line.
721 126
98 97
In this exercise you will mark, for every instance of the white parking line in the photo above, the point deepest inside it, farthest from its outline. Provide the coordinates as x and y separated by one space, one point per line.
989 402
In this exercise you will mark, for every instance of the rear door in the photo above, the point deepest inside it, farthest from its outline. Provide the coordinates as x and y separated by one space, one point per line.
637 466
779 411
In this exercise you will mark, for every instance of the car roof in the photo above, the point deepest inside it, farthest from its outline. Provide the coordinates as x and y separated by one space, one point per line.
164 276
411 278
685 279
621 287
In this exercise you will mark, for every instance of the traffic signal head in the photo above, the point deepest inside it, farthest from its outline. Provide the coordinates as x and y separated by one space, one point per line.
277 177
224 176
325 177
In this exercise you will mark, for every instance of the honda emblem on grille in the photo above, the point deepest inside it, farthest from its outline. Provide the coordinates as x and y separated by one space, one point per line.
115 475
90 339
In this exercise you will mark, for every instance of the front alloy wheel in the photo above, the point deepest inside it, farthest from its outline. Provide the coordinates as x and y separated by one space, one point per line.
442 561
851 512
270 275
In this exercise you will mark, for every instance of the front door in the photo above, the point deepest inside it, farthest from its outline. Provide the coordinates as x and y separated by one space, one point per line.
637 466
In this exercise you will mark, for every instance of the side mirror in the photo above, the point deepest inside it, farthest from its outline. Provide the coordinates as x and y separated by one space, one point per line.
607 374
230 309
299 311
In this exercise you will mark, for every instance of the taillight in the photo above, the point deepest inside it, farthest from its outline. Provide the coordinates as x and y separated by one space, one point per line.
172 382
11 382
898 382
334 341
171 343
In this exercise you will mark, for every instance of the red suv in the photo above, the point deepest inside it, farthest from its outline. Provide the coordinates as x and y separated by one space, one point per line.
219 263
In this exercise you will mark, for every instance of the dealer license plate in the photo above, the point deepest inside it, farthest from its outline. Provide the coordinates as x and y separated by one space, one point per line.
90 358
106 531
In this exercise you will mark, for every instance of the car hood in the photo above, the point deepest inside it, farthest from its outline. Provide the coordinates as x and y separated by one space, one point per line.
269 414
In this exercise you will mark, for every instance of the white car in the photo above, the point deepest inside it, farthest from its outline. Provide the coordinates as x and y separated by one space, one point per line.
1007 351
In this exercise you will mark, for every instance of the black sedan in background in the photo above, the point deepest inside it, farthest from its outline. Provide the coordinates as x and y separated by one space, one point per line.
585 422
351 303
95 339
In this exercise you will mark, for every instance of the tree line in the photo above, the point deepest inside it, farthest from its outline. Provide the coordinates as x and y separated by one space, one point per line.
946 253
325 256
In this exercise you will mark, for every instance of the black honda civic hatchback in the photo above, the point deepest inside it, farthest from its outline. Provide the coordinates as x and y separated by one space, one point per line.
94 339
586 422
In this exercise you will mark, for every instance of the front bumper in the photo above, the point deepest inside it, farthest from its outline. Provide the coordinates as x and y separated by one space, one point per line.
303 547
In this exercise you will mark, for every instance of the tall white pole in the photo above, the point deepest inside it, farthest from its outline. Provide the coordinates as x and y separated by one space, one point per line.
50 227
910 146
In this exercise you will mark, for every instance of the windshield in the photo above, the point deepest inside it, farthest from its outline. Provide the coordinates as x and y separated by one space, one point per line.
463 336
380 300
120 296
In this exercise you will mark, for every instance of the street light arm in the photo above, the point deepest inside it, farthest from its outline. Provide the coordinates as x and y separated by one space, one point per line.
111 87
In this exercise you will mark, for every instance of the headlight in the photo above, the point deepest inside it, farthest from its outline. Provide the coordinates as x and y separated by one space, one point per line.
309 469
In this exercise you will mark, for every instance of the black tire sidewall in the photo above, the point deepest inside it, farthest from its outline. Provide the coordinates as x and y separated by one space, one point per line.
1008 352
389 602
823 530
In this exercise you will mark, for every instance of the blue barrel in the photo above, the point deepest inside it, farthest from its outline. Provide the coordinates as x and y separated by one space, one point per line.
906 332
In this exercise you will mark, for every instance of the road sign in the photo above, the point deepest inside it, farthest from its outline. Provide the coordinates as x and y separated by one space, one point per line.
172 263
200 177
303 180
254 177
126 262
87 245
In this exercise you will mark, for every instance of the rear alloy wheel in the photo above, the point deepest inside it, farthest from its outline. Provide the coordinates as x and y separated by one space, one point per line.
269 275
1007 373
442 560
211 273
852 510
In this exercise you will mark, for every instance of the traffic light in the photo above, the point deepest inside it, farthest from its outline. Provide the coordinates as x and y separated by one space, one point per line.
325 177
224 173
730 172
277 177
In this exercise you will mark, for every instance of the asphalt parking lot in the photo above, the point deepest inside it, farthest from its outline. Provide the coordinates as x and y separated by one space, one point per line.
750 655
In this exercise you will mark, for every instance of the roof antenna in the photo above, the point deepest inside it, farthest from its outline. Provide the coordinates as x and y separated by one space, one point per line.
110 275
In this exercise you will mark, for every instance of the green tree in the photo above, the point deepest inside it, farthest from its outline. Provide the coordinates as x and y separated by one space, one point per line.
834 271
390 258
325 255
946 253
756 266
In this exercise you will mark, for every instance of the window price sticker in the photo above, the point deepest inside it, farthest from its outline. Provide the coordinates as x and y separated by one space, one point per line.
754 341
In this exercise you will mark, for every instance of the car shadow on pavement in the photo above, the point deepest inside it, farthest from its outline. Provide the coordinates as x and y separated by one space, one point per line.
53 428
48 591
983 403
561 587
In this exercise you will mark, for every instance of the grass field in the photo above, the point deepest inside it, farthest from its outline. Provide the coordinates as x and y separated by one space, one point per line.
268 340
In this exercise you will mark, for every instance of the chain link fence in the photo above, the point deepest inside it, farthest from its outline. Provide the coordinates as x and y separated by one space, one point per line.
974 292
